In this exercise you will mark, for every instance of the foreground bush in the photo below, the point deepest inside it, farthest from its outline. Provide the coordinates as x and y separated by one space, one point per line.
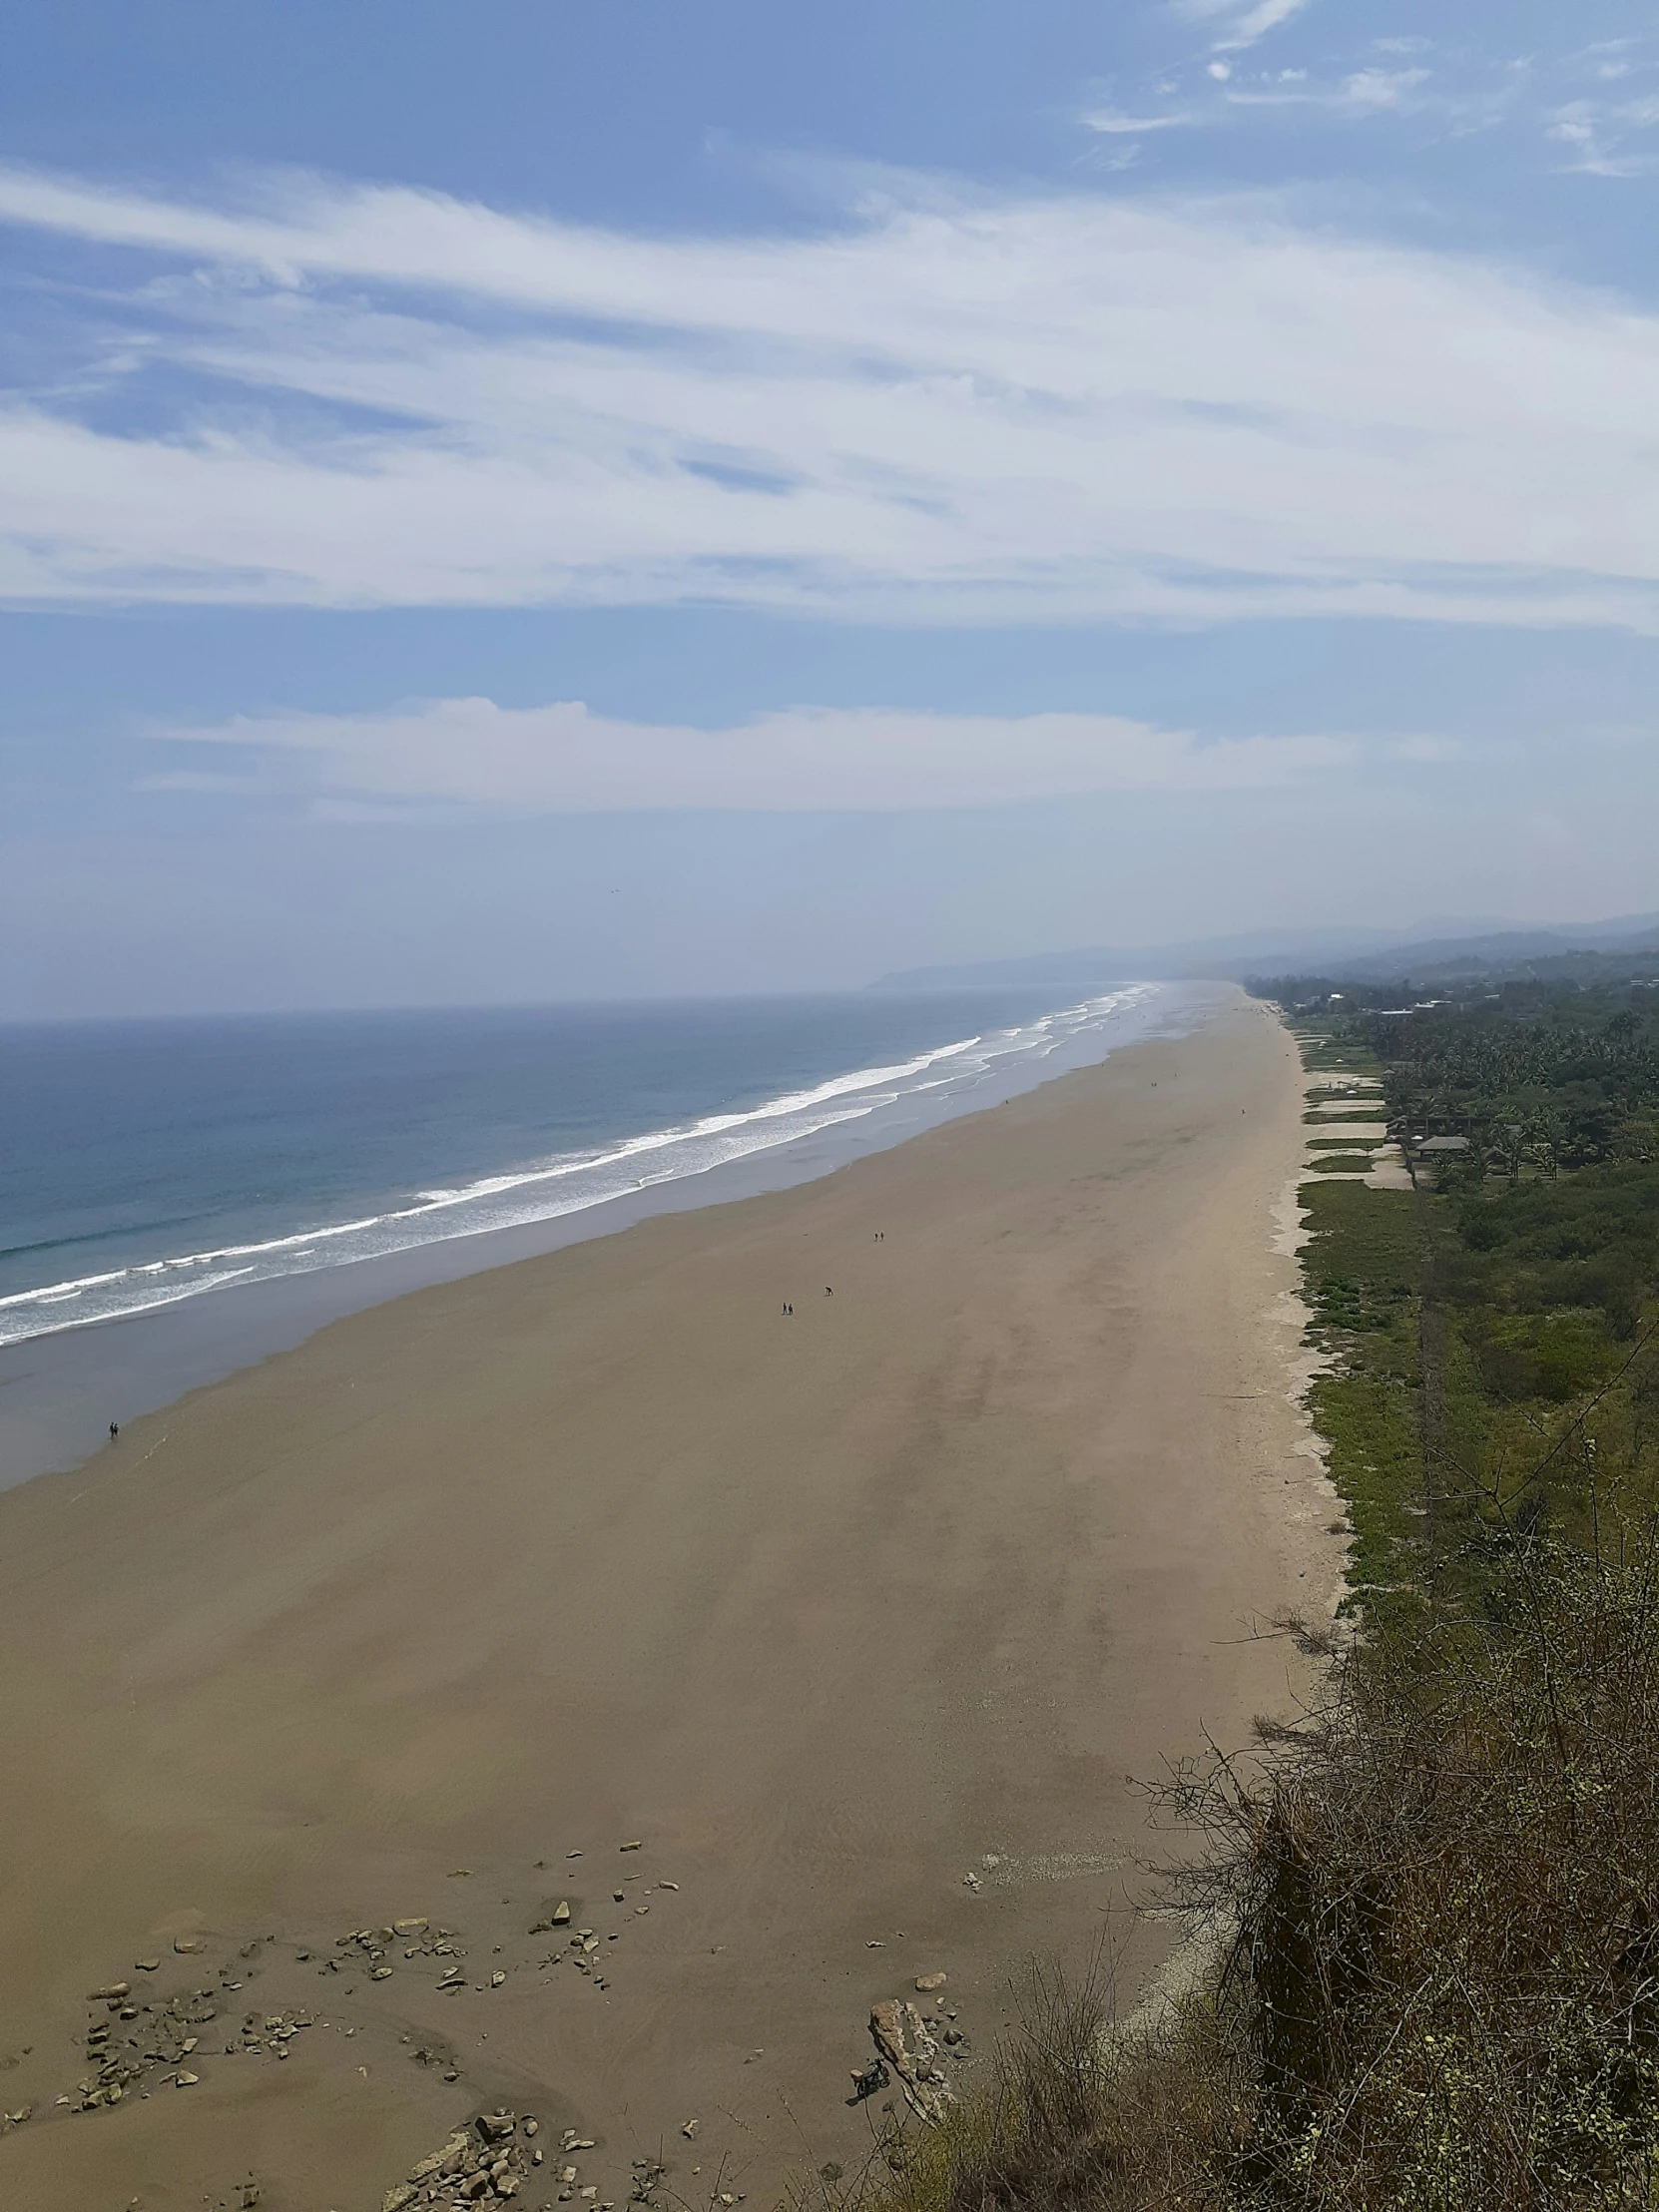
1434 1921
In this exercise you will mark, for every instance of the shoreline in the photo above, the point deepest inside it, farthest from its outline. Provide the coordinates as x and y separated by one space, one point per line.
856 1620
60 1389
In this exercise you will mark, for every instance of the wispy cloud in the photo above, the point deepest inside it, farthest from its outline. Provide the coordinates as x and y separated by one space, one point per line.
972 408
1457 89
1605 137
1240 25
1361 92
1112 124
1257 22
561 759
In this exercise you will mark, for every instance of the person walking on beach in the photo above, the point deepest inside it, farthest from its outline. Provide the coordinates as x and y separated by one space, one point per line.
113 1431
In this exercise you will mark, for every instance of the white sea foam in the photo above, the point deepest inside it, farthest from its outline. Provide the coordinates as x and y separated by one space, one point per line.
569 1182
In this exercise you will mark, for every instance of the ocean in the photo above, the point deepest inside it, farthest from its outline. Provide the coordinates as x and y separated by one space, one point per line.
145 1164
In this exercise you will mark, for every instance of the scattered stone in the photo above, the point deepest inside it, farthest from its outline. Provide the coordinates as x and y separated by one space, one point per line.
184 2080
926 1982
668 1885
636 1845
689 2131
409 1928
147 1965
483 2164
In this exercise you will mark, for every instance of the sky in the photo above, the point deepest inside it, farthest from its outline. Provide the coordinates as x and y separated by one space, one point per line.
550 500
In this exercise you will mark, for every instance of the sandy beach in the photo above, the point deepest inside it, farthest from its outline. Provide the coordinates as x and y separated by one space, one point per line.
864 1622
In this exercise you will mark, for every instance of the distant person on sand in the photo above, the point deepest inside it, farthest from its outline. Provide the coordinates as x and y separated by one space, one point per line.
828 1292
113 1431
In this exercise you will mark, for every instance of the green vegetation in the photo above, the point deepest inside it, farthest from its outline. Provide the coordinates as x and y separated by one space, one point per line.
1433 1907
1360 1268
1486 1333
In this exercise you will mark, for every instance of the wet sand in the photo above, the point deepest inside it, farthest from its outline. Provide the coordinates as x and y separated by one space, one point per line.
830 1612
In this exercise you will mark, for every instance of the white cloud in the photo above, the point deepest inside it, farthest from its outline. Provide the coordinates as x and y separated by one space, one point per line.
1257 22
1381 88
1113 125
1598 131
1244 25
1362 92
561 759
998 408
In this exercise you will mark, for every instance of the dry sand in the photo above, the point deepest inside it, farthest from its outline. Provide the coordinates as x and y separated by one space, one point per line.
830 1612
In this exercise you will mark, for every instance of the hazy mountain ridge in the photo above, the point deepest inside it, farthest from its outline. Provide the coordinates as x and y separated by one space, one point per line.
1440 946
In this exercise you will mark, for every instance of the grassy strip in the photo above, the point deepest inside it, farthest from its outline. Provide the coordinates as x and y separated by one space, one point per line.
1360 1266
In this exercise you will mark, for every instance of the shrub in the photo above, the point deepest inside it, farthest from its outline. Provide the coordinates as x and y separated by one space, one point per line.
1435 1920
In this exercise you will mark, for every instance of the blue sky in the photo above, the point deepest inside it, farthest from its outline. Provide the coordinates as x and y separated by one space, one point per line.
550 500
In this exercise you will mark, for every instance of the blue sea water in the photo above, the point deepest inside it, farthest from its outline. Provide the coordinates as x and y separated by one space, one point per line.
144 1163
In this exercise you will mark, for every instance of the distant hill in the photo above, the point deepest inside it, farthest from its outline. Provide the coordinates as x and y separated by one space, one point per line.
1442 948
1504 950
